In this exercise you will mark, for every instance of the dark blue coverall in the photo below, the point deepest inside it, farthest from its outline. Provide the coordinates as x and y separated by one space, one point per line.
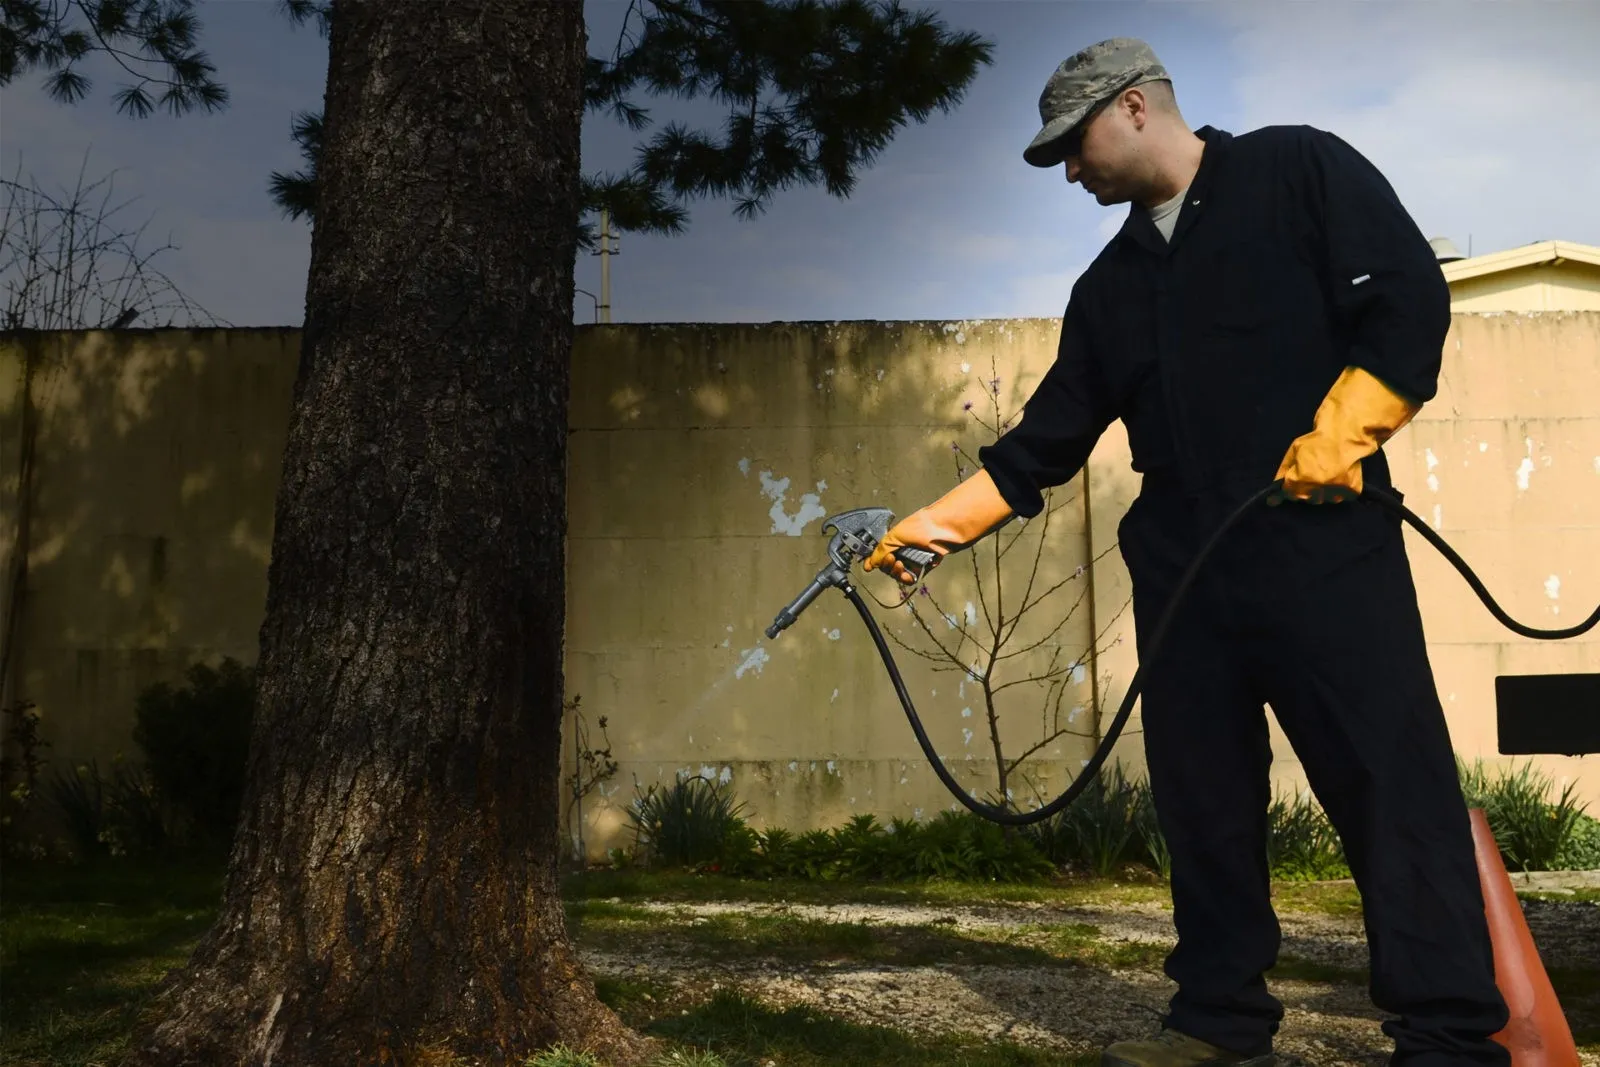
1292 259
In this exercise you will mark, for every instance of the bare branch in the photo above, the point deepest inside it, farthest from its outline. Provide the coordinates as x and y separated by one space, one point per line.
65 264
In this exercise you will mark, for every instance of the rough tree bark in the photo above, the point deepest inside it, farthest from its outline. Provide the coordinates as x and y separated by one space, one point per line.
393 886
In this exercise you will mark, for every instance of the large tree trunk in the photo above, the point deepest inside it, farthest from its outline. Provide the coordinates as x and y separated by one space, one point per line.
393 886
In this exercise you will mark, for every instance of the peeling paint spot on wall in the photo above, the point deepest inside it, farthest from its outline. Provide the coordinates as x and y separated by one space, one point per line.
775 489
972 614
1072 716
966 713
834 697
1552 587
1078 674
833 634
1438 516
1526 467
744 467
966 736
1483 446
831 768
754 659
966 368
794 765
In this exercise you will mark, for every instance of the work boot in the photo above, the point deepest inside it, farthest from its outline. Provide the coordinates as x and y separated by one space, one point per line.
1169 1048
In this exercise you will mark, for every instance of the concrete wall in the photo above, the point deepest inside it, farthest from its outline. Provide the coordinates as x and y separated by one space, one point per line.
149 524
703 461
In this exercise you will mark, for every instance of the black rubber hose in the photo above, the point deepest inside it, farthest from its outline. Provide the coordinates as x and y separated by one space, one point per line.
1007 817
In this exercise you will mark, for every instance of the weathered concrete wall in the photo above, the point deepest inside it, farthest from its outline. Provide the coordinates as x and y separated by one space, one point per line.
703 461
150 518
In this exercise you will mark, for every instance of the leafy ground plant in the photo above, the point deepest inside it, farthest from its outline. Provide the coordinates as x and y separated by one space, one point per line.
1534 833
685 823
1301 843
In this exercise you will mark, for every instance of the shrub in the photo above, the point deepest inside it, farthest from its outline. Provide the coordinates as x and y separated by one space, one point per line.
687 823
1582 850
1156 854
1533 834
196 739
116 815
1110 824
1302 844
958 846
20 764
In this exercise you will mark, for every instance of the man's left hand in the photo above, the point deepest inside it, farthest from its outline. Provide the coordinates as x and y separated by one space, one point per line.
1317 470
1353 421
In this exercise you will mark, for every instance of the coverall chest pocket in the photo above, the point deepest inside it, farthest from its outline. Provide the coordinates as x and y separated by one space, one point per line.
1235 287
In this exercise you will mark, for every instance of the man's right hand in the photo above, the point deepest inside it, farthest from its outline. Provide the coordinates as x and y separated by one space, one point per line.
953 522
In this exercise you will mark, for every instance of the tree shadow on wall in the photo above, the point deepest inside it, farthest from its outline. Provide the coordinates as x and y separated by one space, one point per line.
141 470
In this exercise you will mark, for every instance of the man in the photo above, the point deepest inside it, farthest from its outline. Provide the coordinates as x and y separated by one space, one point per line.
1268 311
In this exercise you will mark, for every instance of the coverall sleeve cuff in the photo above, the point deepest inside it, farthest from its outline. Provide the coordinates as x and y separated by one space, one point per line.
1405 391
1022 498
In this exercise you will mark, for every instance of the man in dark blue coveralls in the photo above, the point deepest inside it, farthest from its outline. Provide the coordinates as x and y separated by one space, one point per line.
1268 311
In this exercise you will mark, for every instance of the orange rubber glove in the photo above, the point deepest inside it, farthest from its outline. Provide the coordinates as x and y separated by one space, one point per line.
1357 416
953 522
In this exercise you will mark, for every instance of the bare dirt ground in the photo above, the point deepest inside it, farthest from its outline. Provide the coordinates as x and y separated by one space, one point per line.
1329 1022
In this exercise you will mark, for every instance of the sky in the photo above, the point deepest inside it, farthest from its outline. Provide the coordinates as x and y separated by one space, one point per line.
1485 116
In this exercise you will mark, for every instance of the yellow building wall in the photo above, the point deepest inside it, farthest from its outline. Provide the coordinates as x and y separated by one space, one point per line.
703 459
1547 287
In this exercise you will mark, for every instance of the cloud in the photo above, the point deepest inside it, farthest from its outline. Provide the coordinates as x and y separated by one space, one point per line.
1482 120
1043 295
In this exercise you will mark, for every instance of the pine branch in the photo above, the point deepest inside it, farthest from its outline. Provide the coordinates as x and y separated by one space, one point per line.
152 41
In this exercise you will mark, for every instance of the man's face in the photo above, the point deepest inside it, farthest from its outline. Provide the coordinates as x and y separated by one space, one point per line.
1095 153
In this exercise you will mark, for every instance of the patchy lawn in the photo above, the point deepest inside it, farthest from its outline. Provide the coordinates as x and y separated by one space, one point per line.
787 974
82 946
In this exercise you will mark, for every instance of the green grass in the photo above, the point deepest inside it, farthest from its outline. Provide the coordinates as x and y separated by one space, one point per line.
682 887
83 947
1585 896
746 1033
689 888
791 939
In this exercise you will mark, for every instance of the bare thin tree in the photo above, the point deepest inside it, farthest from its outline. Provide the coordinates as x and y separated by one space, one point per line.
987 641
68 262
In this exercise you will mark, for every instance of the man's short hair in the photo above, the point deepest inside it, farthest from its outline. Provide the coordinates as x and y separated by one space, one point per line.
1160 94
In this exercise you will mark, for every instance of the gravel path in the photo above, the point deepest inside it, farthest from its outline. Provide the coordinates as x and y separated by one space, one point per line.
1074 1009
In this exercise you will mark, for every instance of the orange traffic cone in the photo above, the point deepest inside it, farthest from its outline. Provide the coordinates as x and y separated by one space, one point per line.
1537 1034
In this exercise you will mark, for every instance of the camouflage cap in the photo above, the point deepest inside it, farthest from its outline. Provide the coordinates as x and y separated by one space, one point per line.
1081 81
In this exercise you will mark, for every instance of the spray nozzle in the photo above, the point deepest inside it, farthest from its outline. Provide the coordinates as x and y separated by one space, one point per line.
855 534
